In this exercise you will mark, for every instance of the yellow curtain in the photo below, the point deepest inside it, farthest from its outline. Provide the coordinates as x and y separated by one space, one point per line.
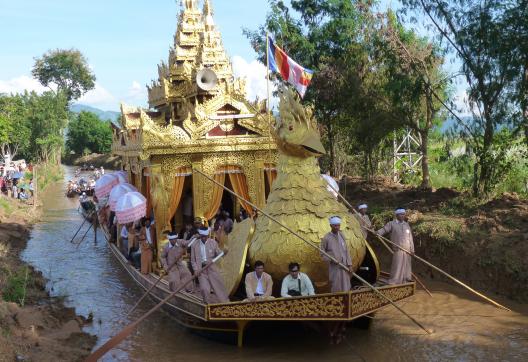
216 198
177 190
239 182
271 173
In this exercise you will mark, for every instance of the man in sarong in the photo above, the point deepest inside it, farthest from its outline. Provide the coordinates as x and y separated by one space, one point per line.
171 260
212 285
334 244
363 219
400 234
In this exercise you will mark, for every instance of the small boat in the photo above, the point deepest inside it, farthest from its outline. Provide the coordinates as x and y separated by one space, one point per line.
72 193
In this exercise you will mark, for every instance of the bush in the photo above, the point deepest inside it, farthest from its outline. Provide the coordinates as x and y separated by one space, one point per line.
16 285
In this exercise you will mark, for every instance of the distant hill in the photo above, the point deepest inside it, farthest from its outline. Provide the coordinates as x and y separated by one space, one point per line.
106 115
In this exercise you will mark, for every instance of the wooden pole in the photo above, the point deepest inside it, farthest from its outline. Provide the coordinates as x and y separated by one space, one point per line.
437 268
310 243
157 281
379 237
125 332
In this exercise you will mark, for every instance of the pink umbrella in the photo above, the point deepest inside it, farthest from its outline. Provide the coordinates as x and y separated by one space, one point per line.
104 185
130 207
118 191
122 175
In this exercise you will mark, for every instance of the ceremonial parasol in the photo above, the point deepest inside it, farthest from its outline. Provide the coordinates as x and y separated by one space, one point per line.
122 175
104 185
130 207
333 187
118 191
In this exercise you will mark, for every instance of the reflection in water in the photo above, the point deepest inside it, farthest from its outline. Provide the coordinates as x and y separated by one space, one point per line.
92 281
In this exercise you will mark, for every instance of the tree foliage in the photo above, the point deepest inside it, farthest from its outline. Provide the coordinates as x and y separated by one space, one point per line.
68 70
482 34
364 87
88 133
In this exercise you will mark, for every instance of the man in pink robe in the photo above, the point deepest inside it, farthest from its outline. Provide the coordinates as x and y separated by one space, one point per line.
400 234
172 255
212 285
334 244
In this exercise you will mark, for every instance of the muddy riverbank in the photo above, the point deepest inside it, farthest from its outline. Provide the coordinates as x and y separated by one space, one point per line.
33 325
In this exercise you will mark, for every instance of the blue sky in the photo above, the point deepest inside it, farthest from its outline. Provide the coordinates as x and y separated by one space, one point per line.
122 40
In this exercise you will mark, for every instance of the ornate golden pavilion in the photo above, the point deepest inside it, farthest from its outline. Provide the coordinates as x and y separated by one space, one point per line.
200 119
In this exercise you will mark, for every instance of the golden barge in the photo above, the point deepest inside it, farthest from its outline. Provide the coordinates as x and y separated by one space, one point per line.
201 127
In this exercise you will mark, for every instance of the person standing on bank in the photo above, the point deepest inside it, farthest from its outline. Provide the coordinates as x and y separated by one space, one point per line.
400 234
335 245
363 219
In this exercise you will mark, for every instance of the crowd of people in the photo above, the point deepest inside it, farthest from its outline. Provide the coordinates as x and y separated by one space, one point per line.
79 185
17 187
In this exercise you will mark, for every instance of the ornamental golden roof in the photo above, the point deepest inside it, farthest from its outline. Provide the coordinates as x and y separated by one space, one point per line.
195 100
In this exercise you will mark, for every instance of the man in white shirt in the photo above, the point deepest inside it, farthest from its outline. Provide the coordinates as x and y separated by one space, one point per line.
259 284
296 283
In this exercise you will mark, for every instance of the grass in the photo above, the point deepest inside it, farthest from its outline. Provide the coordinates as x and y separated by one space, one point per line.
445 232
16 286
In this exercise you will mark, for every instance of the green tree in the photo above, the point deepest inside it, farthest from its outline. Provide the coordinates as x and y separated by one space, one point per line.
14 126
478 33
48 116
87 132
68 70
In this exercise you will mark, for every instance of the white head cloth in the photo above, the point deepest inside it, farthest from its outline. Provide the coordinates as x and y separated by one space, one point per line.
335 220
203 232
362 206
172 237
399 211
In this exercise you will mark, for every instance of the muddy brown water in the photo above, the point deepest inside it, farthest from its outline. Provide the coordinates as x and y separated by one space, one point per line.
92 281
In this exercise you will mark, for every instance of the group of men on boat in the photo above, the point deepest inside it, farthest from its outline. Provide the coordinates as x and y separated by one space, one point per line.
196 242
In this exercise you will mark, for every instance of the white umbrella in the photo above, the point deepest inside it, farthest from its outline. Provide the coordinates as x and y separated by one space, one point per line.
130 207
118 191
104 185
122 176
333 187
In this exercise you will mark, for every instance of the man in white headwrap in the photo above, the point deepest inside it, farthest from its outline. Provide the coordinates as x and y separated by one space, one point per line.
172 255
363 219
400 234
212 285
334 244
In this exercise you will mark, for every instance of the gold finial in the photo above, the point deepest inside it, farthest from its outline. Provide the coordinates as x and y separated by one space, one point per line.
190 5
208 15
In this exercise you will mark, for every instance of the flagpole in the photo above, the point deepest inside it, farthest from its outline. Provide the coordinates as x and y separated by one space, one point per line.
268 102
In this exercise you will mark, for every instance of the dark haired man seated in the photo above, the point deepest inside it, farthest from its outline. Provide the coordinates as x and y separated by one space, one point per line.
296 284
259 284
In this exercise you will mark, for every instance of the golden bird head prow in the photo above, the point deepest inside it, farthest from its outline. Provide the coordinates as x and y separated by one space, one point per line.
296 130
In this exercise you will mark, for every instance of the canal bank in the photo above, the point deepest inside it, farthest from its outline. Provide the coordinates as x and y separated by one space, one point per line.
33 325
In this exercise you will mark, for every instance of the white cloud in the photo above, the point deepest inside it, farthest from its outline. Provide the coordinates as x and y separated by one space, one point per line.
255 74
137 92
461 102
20 84
99 97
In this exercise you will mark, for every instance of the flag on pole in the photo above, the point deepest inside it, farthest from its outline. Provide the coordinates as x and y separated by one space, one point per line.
291 71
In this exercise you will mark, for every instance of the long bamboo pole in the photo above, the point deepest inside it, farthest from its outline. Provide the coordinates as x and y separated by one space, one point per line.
313 245
436 268
159 279
379 237
125 332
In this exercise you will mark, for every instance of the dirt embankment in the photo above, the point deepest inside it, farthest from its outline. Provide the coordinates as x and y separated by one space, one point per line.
33 326
481 242
97 160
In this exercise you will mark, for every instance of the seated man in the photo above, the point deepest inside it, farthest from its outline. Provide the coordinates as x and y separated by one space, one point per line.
258 283
296 283
203 251
171 259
